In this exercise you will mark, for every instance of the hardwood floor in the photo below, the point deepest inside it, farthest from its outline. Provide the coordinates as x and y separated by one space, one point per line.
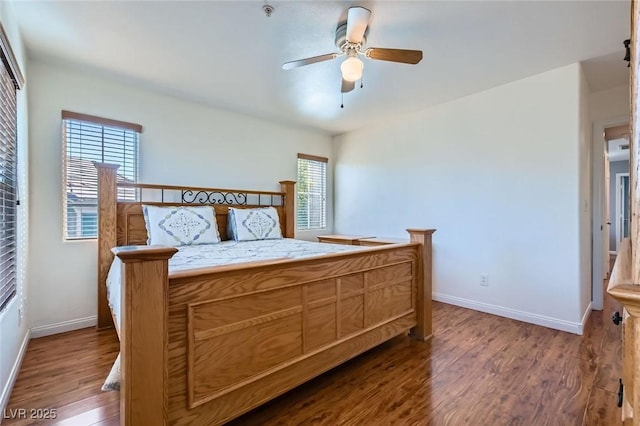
478 370
65 372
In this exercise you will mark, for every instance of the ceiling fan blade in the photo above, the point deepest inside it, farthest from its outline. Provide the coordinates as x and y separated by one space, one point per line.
308 61
357 22
394 55
347 86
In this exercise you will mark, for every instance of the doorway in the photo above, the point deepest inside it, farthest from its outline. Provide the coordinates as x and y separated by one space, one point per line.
617 185
622 208
601 195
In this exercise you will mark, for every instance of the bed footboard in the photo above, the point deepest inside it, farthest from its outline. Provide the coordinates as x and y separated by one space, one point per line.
239 335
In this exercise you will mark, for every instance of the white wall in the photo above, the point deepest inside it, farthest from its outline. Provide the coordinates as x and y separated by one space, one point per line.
14 332
610 103
497 173
584 209
182 143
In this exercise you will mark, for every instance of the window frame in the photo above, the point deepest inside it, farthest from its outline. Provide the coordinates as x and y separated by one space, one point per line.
10 192
302 190
101 146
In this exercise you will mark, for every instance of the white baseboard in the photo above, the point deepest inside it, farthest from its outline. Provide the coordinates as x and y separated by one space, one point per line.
13 375
585 317
64 326
555 323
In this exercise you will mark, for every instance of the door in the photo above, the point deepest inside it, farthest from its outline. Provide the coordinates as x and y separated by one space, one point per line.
607 218
622 207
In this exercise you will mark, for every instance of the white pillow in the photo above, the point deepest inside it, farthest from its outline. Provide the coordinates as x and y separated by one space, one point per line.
254 224
180 226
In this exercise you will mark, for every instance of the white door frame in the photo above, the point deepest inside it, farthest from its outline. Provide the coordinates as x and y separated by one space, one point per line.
597 219
619 208
606 219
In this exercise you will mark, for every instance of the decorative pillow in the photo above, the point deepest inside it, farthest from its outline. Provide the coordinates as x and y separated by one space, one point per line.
180 226
254 224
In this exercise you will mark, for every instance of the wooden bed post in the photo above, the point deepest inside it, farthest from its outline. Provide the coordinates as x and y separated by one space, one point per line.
144 334
423 330
288 187
107 198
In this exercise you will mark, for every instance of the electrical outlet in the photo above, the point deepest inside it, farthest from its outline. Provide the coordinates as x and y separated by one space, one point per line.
484 280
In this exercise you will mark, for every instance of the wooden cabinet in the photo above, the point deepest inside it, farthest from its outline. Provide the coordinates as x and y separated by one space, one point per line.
624 283
628 363
623 288
350 240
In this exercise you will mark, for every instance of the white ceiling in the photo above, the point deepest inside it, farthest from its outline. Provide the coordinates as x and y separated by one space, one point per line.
228 54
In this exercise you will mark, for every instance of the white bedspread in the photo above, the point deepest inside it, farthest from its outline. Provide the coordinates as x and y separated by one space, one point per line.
226 253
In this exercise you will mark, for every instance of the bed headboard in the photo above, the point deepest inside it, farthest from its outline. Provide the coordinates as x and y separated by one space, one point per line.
120 219
131 228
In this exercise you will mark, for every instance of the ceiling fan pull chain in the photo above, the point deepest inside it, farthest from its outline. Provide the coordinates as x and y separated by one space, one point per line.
342 102
361 86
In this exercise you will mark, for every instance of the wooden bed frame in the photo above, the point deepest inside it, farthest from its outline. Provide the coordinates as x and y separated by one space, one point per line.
205 346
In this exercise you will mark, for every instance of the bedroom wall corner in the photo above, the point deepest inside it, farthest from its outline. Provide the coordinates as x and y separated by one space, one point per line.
585 213
14 320
497 174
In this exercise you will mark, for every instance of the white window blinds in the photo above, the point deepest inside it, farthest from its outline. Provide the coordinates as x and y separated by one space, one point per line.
88 139
10 80
312 192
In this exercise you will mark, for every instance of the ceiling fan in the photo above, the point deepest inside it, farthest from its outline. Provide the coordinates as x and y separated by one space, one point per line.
350 37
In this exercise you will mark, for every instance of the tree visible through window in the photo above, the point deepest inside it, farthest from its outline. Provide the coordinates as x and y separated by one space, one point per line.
312 192
88 139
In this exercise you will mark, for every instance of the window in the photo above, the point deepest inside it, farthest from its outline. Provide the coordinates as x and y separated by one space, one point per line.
10 80
312 192
88 139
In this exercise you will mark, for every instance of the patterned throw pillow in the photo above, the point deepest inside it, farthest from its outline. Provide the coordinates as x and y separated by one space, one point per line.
254 224
180 226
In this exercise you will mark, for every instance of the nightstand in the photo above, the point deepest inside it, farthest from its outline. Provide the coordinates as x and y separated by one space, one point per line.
349 240
380 241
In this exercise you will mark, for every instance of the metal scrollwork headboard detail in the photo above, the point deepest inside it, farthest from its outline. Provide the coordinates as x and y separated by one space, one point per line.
204 197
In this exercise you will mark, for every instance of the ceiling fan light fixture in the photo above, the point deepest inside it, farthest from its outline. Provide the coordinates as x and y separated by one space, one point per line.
352 68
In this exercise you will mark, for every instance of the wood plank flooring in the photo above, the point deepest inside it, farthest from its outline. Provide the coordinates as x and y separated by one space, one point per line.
478 370
65 372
